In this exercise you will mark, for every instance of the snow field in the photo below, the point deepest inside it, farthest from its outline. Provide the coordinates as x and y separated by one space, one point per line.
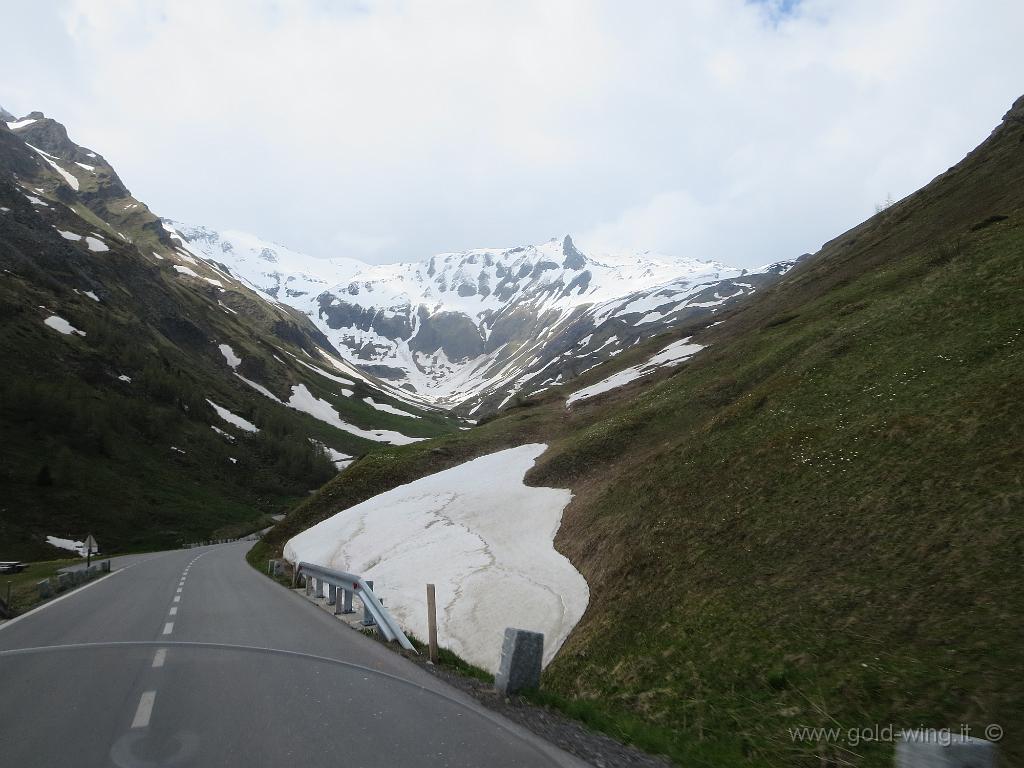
480 535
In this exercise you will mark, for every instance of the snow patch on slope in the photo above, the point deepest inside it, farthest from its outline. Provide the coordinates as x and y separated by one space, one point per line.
78 547
232 418
68 177
61 325
232 359
673 354
476 531
388 408
96 245
304 400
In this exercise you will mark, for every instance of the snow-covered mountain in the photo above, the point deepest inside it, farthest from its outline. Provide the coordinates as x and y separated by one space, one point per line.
470 330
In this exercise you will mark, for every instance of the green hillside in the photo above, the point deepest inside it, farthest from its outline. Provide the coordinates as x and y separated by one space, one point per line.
817 521
110 429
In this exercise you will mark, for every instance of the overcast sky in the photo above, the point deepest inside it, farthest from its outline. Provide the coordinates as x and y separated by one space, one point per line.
745 132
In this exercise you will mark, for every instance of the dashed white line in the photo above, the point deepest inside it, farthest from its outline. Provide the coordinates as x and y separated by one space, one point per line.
174 611
145 710
177 598
179 591
160 658
168 627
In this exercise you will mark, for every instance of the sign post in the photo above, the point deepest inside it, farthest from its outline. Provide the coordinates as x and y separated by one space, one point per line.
90 547
432 623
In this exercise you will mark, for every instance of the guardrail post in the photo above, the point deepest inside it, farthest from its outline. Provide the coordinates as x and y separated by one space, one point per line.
332 594
367 616
374 612
347 599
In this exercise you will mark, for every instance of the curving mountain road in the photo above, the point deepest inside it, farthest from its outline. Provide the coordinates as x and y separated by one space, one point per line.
191 658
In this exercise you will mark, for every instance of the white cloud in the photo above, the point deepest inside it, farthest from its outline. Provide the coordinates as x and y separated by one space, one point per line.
736 131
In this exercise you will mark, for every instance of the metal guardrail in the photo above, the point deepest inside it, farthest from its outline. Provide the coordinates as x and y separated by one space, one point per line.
341 588
207 543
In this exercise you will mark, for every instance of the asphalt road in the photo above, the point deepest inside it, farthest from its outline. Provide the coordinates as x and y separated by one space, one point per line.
191 658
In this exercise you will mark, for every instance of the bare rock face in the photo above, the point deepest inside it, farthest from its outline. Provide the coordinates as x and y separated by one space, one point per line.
573 258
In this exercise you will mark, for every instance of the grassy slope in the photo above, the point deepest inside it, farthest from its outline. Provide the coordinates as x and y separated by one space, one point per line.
822 513
817 521
83 451
23 586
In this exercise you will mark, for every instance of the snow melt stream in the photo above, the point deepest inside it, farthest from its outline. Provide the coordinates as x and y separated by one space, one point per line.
481 536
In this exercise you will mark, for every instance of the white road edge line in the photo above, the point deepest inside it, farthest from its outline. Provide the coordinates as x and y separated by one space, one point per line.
160 658
145 710
168 627
47 604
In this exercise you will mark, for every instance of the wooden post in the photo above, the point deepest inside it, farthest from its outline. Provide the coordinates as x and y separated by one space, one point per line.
432 623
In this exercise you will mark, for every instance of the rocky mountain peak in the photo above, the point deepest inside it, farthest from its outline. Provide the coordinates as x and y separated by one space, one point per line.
460 328
573 258
49 135
1016 112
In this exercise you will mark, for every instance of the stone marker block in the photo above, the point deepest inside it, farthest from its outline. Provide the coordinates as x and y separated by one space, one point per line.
45 590
106 566
941 749
522 652
64 581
